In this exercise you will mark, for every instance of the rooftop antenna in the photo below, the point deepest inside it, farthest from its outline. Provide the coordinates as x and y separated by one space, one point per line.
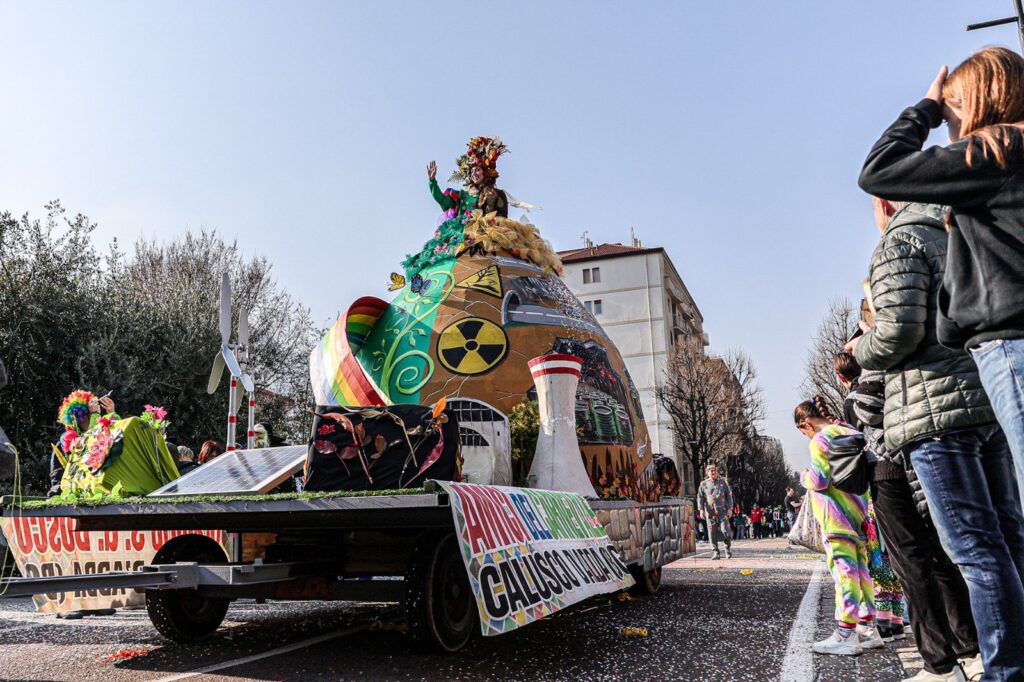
1018 19
226 358
587 243
633 239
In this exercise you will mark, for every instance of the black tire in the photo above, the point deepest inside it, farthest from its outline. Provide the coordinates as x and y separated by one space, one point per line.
440 608
185 615
647 582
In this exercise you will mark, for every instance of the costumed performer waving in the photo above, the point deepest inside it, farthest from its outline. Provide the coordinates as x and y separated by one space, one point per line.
477 169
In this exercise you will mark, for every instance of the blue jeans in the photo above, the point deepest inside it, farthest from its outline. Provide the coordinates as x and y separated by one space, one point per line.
1001 366
968 479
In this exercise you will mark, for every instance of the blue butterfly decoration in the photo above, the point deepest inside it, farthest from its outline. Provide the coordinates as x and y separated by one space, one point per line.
420 285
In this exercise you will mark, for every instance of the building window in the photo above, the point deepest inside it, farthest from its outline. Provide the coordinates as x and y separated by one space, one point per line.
589 306
596 308
591 275
586 275
596 274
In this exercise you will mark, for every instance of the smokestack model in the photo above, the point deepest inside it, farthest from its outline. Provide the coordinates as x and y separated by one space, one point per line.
557 464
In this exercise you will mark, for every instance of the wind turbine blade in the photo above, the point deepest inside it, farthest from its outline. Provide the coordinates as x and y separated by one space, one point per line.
225 309
247 383
239 399
243 330
216 374
230 361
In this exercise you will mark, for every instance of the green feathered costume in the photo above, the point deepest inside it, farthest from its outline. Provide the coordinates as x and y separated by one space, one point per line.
138 460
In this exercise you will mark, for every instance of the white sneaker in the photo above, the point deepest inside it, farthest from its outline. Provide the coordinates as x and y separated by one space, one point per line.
954 675
838 645
869 637
716 556
728 553
974 669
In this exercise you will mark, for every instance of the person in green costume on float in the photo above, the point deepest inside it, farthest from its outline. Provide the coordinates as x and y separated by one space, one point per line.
478 171
105 454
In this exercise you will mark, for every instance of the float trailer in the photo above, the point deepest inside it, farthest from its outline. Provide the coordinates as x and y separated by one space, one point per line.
386 548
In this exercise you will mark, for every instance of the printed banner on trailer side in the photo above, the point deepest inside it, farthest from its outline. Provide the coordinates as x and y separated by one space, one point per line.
49 546
530 553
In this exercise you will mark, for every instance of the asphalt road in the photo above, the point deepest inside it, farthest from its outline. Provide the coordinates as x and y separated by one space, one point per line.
712 620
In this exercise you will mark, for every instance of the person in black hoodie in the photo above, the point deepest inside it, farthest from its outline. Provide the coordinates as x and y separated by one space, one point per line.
978 176
973 493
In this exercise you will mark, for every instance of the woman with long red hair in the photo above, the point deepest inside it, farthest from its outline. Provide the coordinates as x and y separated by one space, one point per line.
969 478
210 450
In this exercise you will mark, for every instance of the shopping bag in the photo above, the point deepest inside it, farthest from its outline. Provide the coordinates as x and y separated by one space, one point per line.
806 531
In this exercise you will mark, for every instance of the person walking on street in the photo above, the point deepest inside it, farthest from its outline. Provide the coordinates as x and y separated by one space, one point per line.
793 503
715 500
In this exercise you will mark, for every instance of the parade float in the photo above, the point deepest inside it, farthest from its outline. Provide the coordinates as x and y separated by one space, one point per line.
408 467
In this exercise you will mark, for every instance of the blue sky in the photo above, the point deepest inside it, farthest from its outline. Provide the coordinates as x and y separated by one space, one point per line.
731 133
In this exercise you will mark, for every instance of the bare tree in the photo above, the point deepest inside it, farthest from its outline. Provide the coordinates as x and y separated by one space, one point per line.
715 403
833 332
767 474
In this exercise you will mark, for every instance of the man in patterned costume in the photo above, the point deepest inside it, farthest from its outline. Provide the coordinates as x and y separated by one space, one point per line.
715 500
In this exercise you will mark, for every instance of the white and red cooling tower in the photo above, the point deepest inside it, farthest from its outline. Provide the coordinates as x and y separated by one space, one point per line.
557 464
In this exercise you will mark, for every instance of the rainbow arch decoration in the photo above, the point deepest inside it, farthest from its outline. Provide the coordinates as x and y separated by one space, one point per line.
337 376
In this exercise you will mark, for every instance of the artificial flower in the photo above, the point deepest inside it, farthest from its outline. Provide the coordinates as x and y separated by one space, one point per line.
99 449
67 439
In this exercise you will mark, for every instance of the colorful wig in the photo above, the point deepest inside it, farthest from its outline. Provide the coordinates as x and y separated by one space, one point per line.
75 410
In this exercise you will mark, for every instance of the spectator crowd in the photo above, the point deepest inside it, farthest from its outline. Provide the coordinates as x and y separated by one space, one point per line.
913 481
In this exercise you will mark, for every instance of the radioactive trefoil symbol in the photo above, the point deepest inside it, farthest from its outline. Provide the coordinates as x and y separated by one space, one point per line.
471 346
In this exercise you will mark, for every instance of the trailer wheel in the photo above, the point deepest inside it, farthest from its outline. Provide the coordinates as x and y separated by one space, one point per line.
647 582
440 609
185 615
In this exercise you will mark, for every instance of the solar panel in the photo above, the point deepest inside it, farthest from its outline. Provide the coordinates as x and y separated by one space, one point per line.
238 472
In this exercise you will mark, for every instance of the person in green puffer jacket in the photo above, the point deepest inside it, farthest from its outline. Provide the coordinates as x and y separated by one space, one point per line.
937 418
929 389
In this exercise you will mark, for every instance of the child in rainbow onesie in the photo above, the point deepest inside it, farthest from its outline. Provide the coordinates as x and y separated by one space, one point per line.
842 518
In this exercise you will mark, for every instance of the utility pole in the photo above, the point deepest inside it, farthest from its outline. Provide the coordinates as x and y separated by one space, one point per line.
1018 19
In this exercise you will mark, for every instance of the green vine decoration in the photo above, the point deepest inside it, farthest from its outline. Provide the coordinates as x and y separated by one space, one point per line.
405 327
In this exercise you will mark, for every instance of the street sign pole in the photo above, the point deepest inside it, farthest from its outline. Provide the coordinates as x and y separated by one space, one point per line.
1018 19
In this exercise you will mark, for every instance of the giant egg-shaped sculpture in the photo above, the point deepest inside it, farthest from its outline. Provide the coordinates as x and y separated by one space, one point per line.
465 330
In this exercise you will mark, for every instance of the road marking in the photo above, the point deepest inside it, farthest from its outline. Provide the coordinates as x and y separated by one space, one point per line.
798 665
266 654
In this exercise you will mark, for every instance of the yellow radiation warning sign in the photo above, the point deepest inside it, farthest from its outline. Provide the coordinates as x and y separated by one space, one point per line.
487 280
472 345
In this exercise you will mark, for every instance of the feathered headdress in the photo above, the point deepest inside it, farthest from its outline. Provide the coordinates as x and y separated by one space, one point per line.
74 408
481 151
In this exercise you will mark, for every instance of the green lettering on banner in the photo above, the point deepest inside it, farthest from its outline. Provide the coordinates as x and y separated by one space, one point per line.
593 530
549 519
559 515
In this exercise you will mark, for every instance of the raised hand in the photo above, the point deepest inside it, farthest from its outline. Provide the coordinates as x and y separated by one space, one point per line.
107 404
935 91
851 345
432 170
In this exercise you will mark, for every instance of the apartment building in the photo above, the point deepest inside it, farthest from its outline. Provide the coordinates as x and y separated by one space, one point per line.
642 303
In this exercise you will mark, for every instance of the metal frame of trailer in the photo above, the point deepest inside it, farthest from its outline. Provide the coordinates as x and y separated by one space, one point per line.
391 548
